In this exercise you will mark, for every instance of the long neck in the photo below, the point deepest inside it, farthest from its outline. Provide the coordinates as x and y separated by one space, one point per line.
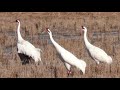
18 32
57 46
88 45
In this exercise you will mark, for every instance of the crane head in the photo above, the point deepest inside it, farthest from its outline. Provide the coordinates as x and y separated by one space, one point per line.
17 20
84 28
81 30
48 30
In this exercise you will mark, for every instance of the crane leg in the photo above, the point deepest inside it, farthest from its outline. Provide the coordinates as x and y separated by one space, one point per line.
68 66
96 61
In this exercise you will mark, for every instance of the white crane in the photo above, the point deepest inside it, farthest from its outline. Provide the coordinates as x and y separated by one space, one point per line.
26 49
68 58
96 53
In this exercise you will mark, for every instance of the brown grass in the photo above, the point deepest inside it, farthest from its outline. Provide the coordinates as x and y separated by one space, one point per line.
103 31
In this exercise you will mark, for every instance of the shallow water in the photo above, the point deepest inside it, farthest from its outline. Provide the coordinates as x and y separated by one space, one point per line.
58 36
112 33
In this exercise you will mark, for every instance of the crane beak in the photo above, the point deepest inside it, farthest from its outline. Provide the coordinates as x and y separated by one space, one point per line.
43 31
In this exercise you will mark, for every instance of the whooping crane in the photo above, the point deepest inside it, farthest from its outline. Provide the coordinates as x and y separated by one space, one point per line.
25 49
67 57
96 53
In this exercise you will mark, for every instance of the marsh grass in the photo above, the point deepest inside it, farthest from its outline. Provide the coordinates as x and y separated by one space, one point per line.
103 31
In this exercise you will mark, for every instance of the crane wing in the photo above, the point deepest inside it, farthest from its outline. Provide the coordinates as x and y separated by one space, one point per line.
27 48
98 53
38 49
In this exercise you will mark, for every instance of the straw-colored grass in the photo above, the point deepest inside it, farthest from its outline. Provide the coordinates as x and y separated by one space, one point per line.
103 31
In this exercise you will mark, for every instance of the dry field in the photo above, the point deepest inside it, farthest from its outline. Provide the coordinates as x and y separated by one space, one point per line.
103 31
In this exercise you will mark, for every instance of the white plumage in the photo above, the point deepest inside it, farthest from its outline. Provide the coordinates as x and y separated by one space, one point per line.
96 53
67 57
26 48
